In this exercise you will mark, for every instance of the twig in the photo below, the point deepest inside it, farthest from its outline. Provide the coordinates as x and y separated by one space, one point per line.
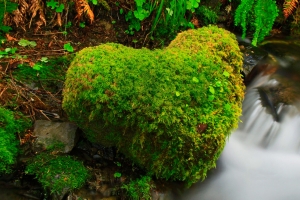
49 33
3 91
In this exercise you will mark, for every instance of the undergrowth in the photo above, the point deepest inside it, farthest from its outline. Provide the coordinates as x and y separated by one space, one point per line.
57 173
10 124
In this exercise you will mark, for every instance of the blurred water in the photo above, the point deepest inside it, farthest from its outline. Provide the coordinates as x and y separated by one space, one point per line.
261 159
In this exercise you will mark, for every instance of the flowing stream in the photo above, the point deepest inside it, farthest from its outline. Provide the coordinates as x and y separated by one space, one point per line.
261 159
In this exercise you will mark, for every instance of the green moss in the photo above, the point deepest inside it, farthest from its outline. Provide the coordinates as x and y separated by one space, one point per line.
58 173
10 123
168 110
139 188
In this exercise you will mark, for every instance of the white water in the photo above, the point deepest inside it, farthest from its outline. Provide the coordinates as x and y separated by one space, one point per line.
261 160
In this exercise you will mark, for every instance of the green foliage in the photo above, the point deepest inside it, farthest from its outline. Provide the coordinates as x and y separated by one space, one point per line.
25 43
7 52
175 19
57 173
117 175
101 2
55 5
68 47
264 15
9 7
207 15
9 125
50 72
139 188
168 110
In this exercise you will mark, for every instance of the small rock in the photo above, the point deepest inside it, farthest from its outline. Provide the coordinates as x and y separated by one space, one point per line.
48 133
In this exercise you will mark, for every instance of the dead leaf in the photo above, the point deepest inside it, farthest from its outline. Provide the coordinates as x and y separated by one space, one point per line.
10 38
82 6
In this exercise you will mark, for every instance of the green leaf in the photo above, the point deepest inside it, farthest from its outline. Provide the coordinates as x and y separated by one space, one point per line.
225 73
211 97
177 94
195 80
170 12
139 3
32 43
68 47
60 8
13 50
117 175
53 4
82 24
121 11
37 67
25 43
44 59
211 90
95 2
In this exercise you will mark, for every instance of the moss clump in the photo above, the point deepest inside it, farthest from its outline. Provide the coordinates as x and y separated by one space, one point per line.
168 110
59 174
139 188
9 125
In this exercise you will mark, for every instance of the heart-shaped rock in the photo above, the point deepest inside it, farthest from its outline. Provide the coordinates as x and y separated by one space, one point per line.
169 110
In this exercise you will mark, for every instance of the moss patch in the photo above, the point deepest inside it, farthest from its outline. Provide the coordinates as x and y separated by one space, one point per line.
168 110
10 123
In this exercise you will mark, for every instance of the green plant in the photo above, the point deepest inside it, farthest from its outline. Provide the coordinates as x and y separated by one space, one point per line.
25 43
172 122
207 15
117 175
48 72
9 7
55 5
68 47
8 51
139 188
9 125
264 13
59 174
82 24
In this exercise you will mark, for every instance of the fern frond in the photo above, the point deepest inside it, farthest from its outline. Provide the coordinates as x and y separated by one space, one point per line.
289 6
82 6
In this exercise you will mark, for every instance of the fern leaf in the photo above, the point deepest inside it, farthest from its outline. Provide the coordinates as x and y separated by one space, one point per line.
82 6
289 6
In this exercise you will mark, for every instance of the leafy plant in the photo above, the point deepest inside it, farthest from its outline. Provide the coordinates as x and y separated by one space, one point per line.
265 13
8 51
81 25
68 47
117 175
55 5
9 7
25 43
59 174
139 188
207 15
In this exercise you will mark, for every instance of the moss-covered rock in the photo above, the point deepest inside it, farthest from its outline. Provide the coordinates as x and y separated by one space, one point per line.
168 110
57 173
10 123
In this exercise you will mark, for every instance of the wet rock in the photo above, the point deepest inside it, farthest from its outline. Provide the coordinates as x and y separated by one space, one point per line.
252 56
50 133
